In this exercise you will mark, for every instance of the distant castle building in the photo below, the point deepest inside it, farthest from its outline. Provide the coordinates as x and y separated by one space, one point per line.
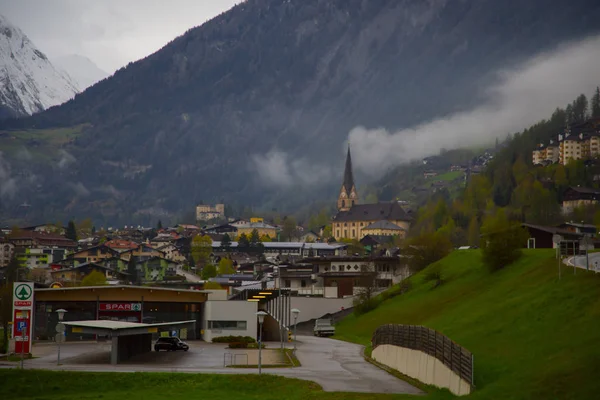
207 212
354 221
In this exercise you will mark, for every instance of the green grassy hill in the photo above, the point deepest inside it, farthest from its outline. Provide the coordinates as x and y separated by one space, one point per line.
533 336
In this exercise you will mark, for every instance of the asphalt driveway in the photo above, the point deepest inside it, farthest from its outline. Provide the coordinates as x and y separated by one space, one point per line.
335 365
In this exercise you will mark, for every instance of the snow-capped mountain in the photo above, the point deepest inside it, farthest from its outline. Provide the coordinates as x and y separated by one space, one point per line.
29 83
81 69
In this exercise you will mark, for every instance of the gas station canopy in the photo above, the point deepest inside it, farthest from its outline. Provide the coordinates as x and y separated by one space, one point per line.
128 338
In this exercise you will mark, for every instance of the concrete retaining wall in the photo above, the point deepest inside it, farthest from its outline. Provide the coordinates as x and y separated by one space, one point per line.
422 367
315 307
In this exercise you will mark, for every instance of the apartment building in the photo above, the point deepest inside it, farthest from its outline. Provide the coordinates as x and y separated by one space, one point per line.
580 142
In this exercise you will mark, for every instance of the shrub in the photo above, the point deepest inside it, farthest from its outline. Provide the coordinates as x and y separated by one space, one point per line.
434 275
233 339
244 345
502 241
363 306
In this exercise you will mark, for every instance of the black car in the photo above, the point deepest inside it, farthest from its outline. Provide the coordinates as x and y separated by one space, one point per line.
170 344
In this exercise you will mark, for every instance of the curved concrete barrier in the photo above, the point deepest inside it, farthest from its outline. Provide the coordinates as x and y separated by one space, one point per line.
426 355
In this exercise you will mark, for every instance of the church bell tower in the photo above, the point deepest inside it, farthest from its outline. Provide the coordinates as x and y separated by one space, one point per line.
348 195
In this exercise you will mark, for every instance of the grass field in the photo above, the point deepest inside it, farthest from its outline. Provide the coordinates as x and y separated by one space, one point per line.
447 176
39 145
533 336
47 385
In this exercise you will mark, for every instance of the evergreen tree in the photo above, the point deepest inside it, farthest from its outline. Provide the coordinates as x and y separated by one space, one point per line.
243 242
596 103
71 231
580 109
159 225
254 237
226 242
132 270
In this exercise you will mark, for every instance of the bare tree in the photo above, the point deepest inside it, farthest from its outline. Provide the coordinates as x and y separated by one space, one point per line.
366 289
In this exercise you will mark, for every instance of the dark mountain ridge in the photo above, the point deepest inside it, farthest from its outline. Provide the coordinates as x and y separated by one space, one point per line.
183 124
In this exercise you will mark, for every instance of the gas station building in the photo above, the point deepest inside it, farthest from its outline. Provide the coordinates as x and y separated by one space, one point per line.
133 304
132 317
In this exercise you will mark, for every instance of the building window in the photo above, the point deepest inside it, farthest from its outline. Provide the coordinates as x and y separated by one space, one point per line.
303 283
288 283
353 233
338 233
227 325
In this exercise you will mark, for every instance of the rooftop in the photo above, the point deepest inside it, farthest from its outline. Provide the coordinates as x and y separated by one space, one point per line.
384 225
391 211
293 245
123 287
119 325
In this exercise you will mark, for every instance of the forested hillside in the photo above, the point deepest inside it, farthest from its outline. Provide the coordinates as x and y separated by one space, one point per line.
510 182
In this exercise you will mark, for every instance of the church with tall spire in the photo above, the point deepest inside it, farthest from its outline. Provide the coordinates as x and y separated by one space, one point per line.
355 221
348 194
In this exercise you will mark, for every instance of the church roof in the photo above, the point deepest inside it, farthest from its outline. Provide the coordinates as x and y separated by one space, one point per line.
348 176
390 211
384 225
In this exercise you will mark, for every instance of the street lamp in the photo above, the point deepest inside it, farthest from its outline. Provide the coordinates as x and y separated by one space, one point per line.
261 318
60 331
295 313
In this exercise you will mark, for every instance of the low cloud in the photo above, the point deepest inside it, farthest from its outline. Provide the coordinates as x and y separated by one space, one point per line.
277 169
8 184
66 159
79 189
24 155
524 96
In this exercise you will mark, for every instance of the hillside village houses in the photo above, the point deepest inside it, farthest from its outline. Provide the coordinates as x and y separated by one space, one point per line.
578 142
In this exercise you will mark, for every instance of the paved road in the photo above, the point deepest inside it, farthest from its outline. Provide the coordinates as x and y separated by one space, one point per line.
335 365
190 277
580 261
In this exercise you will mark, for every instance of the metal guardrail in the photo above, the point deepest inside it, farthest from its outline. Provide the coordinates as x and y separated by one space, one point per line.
233 358
429 341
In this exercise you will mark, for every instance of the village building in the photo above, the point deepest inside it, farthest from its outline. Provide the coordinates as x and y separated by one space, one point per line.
575 197
206 212
352 219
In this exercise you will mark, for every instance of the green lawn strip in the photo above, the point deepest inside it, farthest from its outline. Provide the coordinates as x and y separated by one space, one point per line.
38 384
532 335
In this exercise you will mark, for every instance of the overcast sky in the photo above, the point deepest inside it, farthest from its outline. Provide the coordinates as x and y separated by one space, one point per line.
109 32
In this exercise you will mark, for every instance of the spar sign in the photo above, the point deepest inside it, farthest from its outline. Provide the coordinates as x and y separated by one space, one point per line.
22 315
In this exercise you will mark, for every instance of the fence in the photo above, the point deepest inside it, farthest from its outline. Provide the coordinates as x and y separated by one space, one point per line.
431 342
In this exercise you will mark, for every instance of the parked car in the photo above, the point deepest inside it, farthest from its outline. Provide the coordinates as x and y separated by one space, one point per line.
170 344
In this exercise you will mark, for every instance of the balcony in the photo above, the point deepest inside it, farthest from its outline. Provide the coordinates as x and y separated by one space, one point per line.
311 291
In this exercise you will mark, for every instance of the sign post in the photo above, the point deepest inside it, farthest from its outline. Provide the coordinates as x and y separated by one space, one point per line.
22 316
557 240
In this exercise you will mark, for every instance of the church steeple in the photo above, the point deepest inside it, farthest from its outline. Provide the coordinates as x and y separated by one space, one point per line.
348 195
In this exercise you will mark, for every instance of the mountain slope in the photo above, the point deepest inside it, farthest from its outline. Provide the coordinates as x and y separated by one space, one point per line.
532 335
29 83
255 104
81 69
